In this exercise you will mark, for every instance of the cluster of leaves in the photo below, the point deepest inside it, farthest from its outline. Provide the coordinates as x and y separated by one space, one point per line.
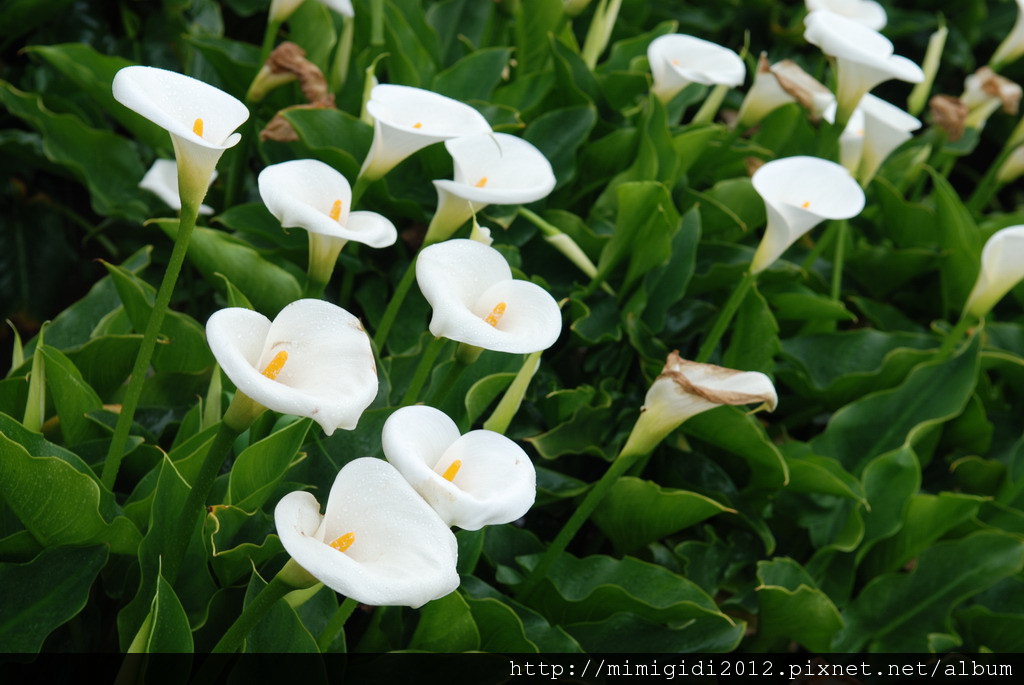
881 507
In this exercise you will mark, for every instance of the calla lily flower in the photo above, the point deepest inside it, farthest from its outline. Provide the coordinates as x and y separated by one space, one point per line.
864 58
687 388
986 91
678 60
873 132
473 480
779 84
162 181
476 301
313 360
865 12
1002 267
490 169
1012 46
799 193
200 118
377 542
309 194
1012 168
407 119
280 10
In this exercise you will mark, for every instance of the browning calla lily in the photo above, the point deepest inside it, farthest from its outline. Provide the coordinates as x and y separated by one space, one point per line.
473 480
314 360
377 542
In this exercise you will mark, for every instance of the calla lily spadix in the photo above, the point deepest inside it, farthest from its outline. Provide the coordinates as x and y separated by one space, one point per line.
799 193
1012 46
473 480
489 169
314 360
687 388
309 194
377 541
864 58
162 181
873 132
1002 267
678 60
200 118
475 300
866 12
407 119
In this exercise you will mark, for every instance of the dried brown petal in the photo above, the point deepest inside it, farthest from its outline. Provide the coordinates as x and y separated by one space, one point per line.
949 114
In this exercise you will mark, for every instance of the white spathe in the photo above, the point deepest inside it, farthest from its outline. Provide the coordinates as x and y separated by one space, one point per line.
280 10
469 284
799 193
779 84
395 549
1012 46
864 58
493 481
1002 267
328 373
407 119
866 12
162 180
200 118
491 168
873 132
677 60
309 194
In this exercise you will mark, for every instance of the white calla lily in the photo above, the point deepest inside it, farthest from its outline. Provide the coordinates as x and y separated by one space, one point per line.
873 132
309 194
162 181
474 480
200 118
314 359
1012 46
799 193
986 91
678 60
377 541
489 169
280 10
779 84
1002 267
469 285
687 388
1013 167
864 58
407 119
866 12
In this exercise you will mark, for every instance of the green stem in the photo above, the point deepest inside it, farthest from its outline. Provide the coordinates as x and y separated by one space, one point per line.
362 183
376 22
842 228
252 615
618 467
391 312
189 212
336 624
725 317
269 36
956 334
708 110
423 370
513 397
195 503
823 242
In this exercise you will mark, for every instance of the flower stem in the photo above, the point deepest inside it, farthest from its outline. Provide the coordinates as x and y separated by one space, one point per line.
391 312
336 623
618 467
725 317
252 615
195 503
423 370
956 334
842 228
513 397
706 113
189 212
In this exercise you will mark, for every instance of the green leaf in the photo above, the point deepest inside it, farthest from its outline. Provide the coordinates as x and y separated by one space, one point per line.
312 28
473 77
636 512
983 628
260 467
890 480
755 336
269 287
456 21
667 285
558 134
280 631
45 593
410 61
546 637
235 62
731 209
535 19
960 241
235 297
733 430
93 73
584 431
932 393
501 630
574 84
166 629
106 163
809 472
896 612
791 607
624 632
334 137
482 393
446 625
106 362
72 397
58 503
795 306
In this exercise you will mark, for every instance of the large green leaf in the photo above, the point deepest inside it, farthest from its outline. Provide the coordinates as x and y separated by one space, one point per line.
558 134
166 628
281 630
624 632
334 137
72 397
446 625
474 76
262 465
791 607
739 433
501 630
48 591
961 243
